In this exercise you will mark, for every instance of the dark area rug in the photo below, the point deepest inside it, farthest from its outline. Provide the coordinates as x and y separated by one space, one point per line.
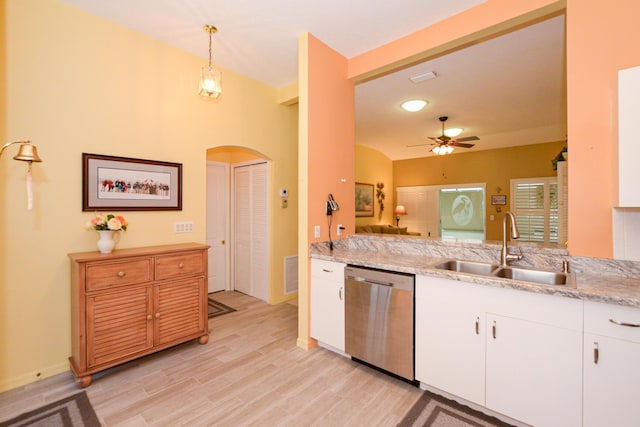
72 411
216 308
438 411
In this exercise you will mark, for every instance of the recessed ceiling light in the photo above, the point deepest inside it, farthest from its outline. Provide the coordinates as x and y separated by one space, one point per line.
453 132
414 105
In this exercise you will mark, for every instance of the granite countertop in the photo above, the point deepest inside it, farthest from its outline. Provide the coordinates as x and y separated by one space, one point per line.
597 280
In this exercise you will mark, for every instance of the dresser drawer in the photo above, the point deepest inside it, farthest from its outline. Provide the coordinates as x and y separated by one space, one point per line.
176 265
107 275
601 319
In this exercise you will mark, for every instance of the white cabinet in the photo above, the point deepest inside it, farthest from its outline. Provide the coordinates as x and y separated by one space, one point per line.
533 371
530 371
611 365
628 137
327 303
450 336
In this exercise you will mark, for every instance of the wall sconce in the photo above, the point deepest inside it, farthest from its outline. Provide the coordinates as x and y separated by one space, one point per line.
27 153
210 79
399 210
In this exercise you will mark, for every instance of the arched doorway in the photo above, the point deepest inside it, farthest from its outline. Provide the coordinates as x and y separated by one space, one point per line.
238 221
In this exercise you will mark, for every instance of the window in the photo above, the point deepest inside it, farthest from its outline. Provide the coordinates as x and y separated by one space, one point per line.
462 212
535 205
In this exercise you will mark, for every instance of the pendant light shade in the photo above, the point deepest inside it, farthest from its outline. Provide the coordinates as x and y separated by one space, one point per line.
210 79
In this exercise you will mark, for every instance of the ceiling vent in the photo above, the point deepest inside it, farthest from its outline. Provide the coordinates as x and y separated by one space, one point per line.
419 78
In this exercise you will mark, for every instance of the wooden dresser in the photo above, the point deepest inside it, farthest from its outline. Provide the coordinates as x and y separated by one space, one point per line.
134 302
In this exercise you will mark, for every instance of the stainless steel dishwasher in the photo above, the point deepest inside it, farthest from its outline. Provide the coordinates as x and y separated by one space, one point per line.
379 319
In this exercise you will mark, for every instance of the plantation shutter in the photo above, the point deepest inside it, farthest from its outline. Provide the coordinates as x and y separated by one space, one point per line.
535 205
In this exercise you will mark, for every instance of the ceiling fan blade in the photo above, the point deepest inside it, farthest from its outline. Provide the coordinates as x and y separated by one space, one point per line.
468 138
417 145
438 140
461 144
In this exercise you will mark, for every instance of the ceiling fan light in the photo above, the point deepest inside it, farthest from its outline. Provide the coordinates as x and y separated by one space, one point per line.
414 105
453 132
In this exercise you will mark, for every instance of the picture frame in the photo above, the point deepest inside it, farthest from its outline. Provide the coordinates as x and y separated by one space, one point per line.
128 184
364 200
499 199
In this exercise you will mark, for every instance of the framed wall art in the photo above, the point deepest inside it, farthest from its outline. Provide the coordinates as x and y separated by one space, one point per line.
499 199
364 199
126 184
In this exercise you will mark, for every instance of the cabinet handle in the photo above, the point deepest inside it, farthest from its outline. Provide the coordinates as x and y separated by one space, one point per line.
327 271
477 326
596 353
121 274
340 293
493 330
157 315
631 325
149 317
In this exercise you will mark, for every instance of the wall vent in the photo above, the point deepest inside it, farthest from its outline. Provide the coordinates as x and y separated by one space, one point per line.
290 274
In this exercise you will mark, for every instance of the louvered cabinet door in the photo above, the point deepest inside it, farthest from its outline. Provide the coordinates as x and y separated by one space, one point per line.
179 310
119 324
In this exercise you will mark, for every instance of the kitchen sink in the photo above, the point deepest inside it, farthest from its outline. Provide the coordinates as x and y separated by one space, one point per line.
471 267
534 276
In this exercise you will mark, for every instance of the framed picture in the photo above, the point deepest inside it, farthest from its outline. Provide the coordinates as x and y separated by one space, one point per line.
125 184
364 199
499 199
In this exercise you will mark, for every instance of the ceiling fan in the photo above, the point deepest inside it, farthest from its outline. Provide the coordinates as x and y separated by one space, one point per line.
444 143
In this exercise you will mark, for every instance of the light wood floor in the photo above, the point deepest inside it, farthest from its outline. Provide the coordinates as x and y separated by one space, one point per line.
250 373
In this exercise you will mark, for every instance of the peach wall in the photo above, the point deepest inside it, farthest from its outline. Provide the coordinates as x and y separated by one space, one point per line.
488 19
327 147
602 38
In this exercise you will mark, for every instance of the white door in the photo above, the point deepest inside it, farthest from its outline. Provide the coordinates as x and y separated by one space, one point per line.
250 230
217 225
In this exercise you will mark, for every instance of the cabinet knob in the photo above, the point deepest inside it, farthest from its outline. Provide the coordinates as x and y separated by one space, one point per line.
157 315
121 274
149 317
181 265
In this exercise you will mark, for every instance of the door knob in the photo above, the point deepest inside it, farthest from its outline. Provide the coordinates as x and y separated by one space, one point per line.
222 242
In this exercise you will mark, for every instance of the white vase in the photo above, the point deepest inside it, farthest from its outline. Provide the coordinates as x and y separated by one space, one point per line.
107 241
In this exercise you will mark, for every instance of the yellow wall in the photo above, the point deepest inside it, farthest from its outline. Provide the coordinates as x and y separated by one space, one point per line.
493 167
373 167
76 83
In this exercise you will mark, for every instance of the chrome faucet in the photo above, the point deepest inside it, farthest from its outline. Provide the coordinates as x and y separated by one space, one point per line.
505 256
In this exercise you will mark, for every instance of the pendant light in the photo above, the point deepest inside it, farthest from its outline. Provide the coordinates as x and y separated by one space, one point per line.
210 79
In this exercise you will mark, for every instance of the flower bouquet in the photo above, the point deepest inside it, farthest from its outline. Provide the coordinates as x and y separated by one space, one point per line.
107 226
108 222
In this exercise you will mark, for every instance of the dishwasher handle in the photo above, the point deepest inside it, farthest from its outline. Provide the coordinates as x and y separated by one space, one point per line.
369 281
